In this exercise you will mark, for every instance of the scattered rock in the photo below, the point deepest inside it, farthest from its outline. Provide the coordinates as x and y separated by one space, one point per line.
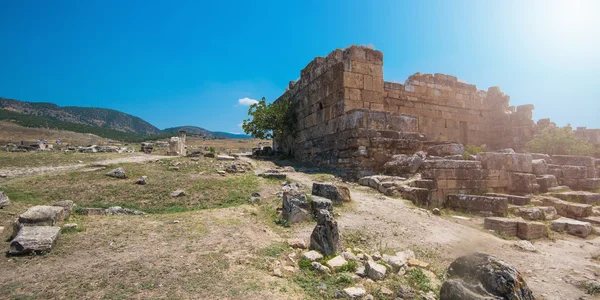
277 273
337 262
349 256
117 173
67 206
2 175
277 176
297 244
225 157
325 238
337 194
34 239
209 155
4 201
178 193
386 292
320 268
254 200
319 203
70 226
436 211
406 292
42 215
413 262
312 256
525 246
483 276
355 292
255 194
396 262
117 210
296 207
375 271
142 180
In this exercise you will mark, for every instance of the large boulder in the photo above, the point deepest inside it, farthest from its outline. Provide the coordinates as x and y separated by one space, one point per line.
335 193
402 164
481 276
117 173
325 238
37 239
296 207
4 201
446 149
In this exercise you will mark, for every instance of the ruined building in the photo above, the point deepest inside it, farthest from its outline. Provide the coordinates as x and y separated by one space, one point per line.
177 144
351 119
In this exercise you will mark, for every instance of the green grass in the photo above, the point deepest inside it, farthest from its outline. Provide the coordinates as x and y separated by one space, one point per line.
52 158
419 280
311 282
95 189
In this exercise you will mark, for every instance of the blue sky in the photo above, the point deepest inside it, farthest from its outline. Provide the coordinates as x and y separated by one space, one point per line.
189 62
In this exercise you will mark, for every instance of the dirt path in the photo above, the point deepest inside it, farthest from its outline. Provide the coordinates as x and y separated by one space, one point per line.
395 224
32 171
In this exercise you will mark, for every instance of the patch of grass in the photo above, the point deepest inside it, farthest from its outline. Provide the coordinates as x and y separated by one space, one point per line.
52 158
356 239
418 279
283 222
95 189
312 283
322 177
274 250
349 267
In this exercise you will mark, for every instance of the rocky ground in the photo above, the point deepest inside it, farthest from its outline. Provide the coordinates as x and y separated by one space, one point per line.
202 250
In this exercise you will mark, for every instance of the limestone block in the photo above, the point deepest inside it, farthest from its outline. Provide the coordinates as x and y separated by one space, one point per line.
546 182
515 162
512 199
319 203
495 205
573 227
531 230
462 174
42 215
555 170
335 193
579 197
451 164
545 157
572 160
539 167
568 209
504 226
38 239
296 207
574 172
446 149
419 196
522 183
590 184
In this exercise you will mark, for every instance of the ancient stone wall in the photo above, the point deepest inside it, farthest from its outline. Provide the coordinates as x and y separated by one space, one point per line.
350 118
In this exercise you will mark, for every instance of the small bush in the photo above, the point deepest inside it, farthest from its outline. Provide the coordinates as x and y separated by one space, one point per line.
472 150
562 141
419 280
305 264
212 150
350 267
283 222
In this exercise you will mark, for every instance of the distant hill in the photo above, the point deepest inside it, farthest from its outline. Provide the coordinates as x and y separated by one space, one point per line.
207 133
97 117
107 123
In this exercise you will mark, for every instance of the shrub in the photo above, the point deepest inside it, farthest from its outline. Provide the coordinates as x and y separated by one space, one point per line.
562 141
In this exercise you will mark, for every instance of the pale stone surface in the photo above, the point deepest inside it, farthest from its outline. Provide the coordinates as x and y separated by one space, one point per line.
312 255
39 239
177 193
446 149
225 157
355 292
320 268
573 227
42 215
296 207
142 180
4 201
375 271
539 167
67 205
297 243
117 173
337 262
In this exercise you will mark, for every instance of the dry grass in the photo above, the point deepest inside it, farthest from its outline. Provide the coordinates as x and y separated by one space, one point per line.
10 132
203 187
52 158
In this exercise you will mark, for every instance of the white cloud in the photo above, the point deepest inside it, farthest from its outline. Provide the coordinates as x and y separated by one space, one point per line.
247 101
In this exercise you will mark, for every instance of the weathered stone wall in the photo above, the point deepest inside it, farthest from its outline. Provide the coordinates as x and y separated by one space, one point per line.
349 118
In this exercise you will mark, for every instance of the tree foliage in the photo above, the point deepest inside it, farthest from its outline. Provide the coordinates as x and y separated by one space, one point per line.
562 141
270 120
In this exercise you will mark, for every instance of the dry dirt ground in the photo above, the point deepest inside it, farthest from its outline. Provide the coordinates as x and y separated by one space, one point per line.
225 253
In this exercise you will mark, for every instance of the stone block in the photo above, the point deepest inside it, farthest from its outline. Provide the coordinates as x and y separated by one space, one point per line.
536 213
579 197
573 227
539 167
419 196
531 230
34 239
572 160
446 149
574 172
451 164
522 183
336 193
546 182
514 162
568 209
425 184
42 215
590 184
592 172
472 203
555 170
512 199
545 157
503 226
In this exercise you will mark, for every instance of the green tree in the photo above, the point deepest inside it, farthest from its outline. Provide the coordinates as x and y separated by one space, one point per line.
560 140
270 120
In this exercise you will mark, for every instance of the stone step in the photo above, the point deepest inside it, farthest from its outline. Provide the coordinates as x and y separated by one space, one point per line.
472 203
579 197
512 199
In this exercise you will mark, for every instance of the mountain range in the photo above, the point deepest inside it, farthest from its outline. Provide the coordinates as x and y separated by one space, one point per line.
42 114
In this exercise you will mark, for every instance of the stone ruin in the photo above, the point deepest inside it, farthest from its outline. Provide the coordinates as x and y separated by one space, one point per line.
350 119
177 145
